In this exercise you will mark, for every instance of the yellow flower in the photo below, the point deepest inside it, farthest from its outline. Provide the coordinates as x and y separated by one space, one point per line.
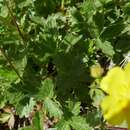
116 105
96 71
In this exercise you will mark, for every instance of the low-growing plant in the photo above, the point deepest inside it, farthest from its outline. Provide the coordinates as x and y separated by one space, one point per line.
53 54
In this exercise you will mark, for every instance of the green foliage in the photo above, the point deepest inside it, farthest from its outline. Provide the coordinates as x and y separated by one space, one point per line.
53 108
79 123
37 122
106 47
46 90
47 48
28 108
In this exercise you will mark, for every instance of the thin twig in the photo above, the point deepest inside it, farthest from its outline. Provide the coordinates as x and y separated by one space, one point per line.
9 61
15 22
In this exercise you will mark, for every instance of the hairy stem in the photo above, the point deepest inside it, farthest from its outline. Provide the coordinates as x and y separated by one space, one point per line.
11 64
15 22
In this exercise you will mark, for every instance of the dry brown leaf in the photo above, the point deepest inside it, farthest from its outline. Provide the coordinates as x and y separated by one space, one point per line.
11 122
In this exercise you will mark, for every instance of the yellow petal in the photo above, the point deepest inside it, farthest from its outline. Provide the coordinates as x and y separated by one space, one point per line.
113 109
114 82
127 73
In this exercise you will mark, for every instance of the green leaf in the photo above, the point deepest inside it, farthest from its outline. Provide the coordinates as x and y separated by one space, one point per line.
74 107
53 44
28 108
8 75
53 108
37 122
98 18
63 125
88 7
79 123
94 118
46 89
25 3
11 98
4 11
122 44
106 47
97 96
106 1
71 39
4 117
113 30
127 8
2 102
21 64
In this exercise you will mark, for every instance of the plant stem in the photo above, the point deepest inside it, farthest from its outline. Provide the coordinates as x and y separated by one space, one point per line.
12 66
62 4
15 22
